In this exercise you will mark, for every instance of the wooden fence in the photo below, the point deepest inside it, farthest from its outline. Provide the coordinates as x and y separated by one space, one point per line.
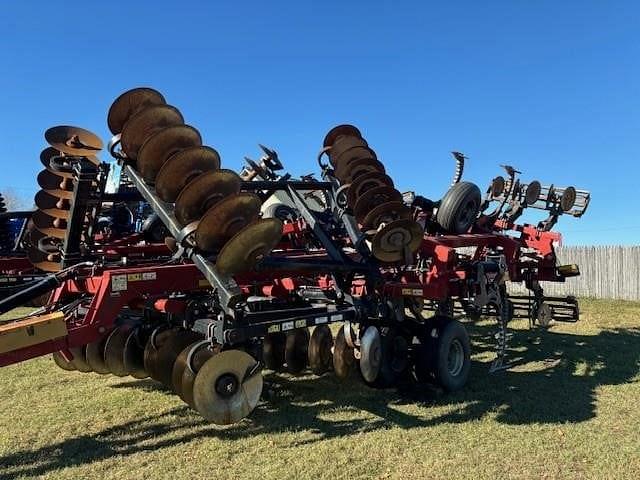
605 272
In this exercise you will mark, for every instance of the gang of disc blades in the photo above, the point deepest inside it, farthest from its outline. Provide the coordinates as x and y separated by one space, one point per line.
129 103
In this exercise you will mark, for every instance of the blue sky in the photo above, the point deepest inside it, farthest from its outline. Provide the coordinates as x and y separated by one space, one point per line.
550 87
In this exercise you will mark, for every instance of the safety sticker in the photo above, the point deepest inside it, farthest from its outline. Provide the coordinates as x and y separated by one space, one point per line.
301 323
274 328
148 275
287 326
413 292
118 283
337 318
321 320
134 277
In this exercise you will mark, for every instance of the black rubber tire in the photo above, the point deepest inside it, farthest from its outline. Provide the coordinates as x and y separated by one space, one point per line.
459 207
452 333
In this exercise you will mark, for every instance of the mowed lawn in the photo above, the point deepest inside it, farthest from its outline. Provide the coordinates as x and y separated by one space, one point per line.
570 408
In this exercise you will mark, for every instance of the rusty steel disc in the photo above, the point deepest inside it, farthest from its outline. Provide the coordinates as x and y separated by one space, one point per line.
273 346
225 219
343 144
179 366
114 350
320 347
73 140
52 205
532 192
144 123
355 169
343 358
497 186
296 350
80 358
227 387
374 197
134 355
390 242
364 183
385 213
61 362
351 154
61 167
249 246
568 199
153 345
129 103
95 356
161 145
169 351
182 167
55 184
340 131
199 356
203 192
49 226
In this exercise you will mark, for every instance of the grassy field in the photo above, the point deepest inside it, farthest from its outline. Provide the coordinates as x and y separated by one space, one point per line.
569 408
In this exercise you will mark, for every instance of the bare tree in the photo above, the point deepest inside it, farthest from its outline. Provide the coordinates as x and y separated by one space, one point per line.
13 201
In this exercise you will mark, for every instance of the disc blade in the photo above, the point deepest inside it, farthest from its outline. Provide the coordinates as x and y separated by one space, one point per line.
199 356
339 131
95 356
55 184
346 157
350 172
161 145
365 183
155 341
52 205
227 387
114 350
226 218
372 198
182 167
61 362
134 355
249 246
320 346
370 354
80 359
296 350
170 350
73 140
343 358
203 192
129 103
273 346
385 213
145 122
389 243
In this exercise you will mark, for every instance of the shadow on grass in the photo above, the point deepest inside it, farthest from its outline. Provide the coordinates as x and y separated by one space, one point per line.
556 381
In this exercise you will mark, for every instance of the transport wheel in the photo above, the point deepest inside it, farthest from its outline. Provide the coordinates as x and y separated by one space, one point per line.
114 350
296 350
80 359
169 351
95 356
228 387
134 355
320 345
343 358
273 347
459 207
370 354
452 356
157 338
62 363
199 356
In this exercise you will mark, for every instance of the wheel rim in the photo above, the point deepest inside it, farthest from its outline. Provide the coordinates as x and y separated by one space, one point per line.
455 358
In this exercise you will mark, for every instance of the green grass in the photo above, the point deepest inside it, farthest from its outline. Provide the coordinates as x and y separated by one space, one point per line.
568 409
